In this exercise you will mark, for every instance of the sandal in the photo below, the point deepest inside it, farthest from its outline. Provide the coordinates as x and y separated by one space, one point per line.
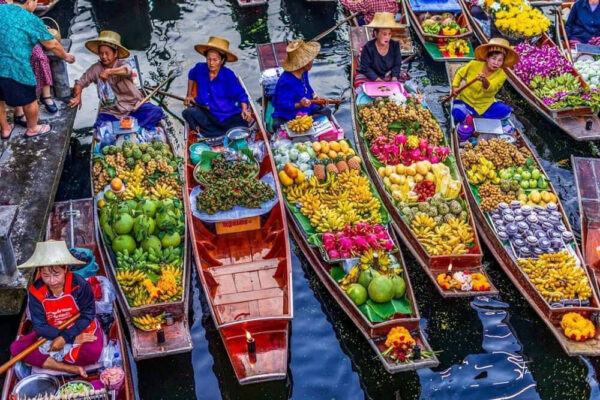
10 134
40 132
51 108
20 120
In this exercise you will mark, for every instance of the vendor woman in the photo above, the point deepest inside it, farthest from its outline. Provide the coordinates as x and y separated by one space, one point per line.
293 93
56 296
113 71
584 21
478 100
381 57
216 99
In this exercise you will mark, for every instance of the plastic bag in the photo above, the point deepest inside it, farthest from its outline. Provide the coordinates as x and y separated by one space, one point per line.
105 304
85 255
106 95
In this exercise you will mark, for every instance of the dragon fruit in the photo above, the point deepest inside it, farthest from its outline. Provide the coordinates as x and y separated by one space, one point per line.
345 243
353 241
333 254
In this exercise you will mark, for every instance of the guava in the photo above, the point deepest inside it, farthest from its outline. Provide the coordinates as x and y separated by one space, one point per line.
123 224
367 276
399 287
172 239
151 242
357 293
381 289
122 243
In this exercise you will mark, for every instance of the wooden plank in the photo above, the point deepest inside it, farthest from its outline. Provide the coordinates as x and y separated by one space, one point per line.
243 282
245 267
266 279
247 296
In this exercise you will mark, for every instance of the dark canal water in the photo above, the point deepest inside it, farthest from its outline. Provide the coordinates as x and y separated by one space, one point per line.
493 348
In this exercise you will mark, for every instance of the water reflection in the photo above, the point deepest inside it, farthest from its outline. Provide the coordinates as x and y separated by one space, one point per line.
117 15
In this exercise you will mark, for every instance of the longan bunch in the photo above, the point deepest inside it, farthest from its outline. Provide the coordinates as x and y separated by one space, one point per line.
501 153
492 195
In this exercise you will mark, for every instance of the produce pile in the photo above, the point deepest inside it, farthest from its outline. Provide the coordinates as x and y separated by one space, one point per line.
443 24
400 149
453 236
438 208
228 184
516 18
301 123
551 76
401 347
148 322
141 217
464 281
456 48
356 240
577 327
78 388
590 72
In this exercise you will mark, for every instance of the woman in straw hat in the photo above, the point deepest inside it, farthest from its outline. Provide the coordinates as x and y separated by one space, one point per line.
369 8
216 100
478 100
55 297
381 57
113 71
293 93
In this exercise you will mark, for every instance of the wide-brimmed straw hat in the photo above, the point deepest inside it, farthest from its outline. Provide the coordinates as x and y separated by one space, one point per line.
511 57
110 39
51 252
300 54
384 20
219 44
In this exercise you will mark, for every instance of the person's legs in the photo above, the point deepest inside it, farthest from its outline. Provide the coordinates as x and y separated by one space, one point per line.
233 121
460 111
31 115
148 115
35 358
201 120
89 353
497 110
6 127
102 118
322 110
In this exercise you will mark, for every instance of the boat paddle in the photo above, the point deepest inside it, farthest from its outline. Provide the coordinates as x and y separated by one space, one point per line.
333 28
466 85
324 102
174 96
34 346
153 92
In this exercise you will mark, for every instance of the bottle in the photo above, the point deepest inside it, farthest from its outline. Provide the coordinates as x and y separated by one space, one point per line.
117 361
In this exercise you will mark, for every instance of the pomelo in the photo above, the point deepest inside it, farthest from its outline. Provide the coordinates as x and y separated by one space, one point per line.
367 276
122 243
147 207
151 242
357 293
399 287
172 239
381 289
123 224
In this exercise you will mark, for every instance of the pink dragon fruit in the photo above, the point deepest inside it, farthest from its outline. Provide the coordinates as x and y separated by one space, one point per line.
379 229
423 144
345 254
333 254
361 227
388 245
443 152
345 243
375 149
434 159
400 140
430 149
372 240
360 244
415 154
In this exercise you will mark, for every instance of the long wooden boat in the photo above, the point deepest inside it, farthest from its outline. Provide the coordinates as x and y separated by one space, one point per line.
144 343
44 6
581 123
246 274
72 221
251 3
587 179
433 44
432 265
271 56
550 313
402 34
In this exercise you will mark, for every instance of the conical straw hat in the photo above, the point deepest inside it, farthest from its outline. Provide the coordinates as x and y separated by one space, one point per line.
384 20
299 54
219 44
51 252
110 39
511 57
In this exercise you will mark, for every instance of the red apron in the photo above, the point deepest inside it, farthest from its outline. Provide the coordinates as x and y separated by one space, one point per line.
60 309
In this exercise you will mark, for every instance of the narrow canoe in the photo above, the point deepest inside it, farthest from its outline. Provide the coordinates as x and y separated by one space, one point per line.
587 180
144 344
271 55
401 34
550 314
246 277
72 221
44 6
581 123
251 3
432 43
432 265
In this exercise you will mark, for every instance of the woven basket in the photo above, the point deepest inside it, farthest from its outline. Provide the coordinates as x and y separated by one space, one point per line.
53 31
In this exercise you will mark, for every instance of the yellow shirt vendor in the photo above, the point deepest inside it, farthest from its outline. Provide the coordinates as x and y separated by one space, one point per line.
478 99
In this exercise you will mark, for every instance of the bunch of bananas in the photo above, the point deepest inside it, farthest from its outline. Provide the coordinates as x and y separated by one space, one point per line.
138 297
129 279
134 176
343 199
153 291
168 255
350 278
379 260
170 283
450 237
457 47
483 171
162 191
147 322
137 260
301 124
134 190
557 277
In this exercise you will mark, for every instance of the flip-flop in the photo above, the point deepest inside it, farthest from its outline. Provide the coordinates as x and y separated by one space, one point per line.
10 134
40 133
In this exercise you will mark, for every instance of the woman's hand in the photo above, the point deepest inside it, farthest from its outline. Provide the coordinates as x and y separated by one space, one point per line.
305 102
454 91
85 338
106 73
394 79
378 80
70 58
246 115
57 344
189 100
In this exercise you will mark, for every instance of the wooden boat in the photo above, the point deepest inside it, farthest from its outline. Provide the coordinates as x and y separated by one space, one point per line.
549 313
72 221
44 6
271 56
246 274
432 265
144 344
433 43
587 179
581 123
401 34
251 3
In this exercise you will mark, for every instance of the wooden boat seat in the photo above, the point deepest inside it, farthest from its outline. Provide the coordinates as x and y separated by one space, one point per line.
247 290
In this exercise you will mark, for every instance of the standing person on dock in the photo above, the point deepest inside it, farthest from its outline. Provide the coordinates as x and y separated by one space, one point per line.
583 23
293 93
216 99
478 99
56 296
21 32
369 8
380 57
118 94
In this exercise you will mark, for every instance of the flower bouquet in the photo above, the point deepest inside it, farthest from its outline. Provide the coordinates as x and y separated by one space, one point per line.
516 18
401 347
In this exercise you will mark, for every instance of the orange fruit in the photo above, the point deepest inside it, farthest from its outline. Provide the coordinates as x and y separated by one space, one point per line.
116 184
101 203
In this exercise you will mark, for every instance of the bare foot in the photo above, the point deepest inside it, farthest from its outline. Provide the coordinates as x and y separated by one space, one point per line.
6 133
76 370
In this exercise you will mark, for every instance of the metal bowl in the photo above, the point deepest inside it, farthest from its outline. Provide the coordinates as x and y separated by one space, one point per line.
238 133
35 385
85 383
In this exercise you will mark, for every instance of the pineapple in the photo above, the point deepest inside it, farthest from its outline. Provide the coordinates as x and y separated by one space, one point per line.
341 165
319 171
354 162
332 168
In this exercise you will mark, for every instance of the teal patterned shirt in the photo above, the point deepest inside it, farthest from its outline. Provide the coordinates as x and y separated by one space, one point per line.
20 31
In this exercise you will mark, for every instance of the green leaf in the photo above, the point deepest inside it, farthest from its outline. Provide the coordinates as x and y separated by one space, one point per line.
389 309
368 311
337 273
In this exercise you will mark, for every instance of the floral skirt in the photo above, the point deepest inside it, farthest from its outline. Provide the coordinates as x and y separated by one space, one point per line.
41 68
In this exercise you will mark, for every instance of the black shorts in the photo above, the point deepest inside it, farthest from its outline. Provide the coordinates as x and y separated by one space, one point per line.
16 94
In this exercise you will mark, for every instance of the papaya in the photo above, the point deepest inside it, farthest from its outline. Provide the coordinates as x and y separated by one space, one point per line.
290 170
285 179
